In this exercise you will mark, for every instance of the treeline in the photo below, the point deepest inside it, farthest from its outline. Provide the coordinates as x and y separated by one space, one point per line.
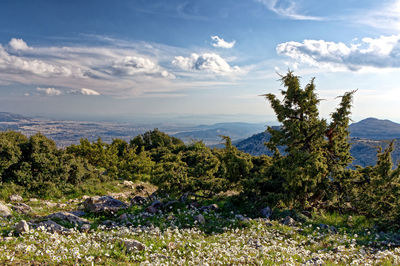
312 173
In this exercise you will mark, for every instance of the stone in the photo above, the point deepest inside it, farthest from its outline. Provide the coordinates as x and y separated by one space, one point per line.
323 226
289 221
127 183
241 218
109 223
124 218
200 219
103 204
4 210
33 200
157 204
16 197
53 227
68 217
211 207
50 204
85 228
151 210
78 213
21 208
266 212
22 227
138 200
133 245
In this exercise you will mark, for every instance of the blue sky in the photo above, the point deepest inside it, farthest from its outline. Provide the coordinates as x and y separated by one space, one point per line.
206 59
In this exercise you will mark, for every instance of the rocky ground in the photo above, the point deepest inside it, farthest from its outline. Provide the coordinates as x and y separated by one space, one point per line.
136 227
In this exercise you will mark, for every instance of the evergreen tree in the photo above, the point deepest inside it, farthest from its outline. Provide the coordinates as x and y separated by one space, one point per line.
314 151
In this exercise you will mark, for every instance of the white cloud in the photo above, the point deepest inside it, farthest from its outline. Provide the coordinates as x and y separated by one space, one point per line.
221 43
208 62
49 91
18 44
386 17
85 91
382 52
13 63
132 65
286 8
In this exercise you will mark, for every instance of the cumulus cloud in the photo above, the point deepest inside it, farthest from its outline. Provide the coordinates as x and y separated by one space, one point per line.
286 8
18 44
85 91
13 63
221 43
132 65
208 62
49 91
381 52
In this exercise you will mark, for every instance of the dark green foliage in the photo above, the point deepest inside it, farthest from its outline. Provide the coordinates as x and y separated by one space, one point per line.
315 152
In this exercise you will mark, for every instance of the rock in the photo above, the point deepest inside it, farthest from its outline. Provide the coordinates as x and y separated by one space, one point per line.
127 183
138 200
333 229
50 204
78 213
85 228
266 212
52 227
289 221
33 200
21 208
124 218
67 217
4 210
133 245
85 197
22 227
109 223
200 219
61 205
323 226
103 204
16 197
241 218
212 207
157 204
151 210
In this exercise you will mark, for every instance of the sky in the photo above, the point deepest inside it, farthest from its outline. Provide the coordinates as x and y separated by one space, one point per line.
195 61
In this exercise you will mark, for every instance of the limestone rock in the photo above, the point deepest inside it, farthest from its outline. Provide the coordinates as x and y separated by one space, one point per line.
52 227
127 183
22 227
15 197
68 217
266 212
85 228
289 221
200 219
21 208
133 245
4 210
138 200
103 204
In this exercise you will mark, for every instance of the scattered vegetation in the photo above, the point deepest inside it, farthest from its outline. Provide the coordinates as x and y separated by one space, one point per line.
310 180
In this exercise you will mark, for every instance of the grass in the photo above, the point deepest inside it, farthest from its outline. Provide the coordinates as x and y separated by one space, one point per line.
173 236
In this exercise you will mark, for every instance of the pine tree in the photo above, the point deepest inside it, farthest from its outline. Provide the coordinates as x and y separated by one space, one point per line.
314 151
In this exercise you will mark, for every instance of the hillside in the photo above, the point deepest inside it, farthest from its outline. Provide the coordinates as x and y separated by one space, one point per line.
363 149
373 128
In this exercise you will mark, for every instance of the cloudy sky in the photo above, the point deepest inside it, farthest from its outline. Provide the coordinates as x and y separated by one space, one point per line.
127 59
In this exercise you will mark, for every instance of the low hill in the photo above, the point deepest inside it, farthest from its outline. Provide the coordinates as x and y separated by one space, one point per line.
373 128
363 150
210 134
10 117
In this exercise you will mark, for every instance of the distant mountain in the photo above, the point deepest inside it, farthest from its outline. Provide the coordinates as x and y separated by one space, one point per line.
10 117
210 134
363 150
377 129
